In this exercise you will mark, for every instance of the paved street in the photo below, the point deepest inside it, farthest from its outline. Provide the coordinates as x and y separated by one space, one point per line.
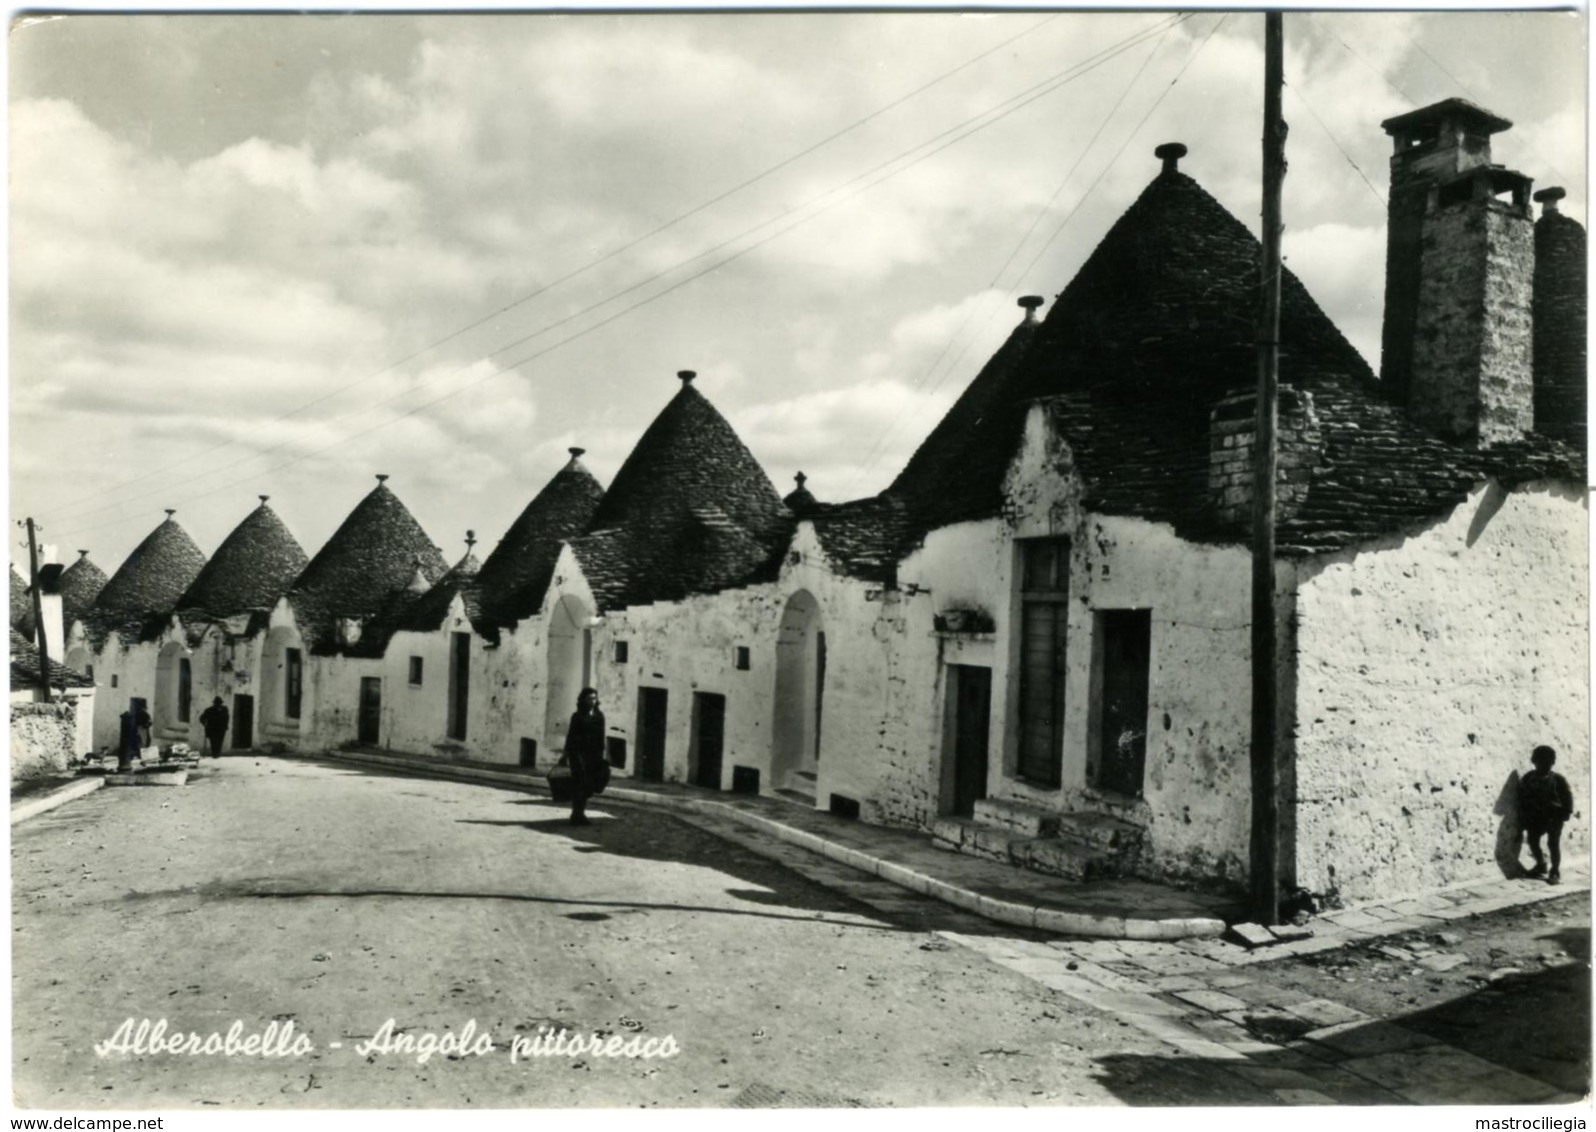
336 898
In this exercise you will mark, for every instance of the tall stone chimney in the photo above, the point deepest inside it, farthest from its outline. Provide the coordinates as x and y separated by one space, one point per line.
1559 308
1457 340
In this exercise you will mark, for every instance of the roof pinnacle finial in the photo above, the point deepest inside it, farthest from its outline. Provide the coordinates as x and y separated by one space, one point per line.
382 477
800 479
471 540
263 499
83 554
1031 303
686 376
1171 153
576 452
1548 197
170 511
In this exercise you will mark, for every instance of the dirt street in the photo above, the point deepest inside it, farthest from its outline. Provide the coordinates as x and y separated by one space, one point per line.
338 899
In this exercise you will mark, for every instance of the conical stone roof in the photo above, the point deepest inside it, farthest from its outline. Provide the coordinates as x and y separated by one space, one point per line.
691 511
252 568
1154 330
516 575
374 554
143 592
81 584
21 605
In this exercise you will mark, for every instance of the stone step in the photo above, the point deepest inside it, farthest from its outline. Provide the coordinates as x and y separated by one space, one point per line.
1052 856
800 797
1101 831
1021 818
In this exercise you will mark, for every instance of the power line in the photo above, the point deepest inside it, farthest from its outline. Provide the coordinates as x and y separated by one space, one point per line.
591 264
999 111
1303 98
878 448
938 143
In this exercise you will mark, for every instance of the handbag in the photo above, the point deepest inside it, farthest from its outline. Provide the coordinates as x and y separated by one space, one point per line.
598 776
561 786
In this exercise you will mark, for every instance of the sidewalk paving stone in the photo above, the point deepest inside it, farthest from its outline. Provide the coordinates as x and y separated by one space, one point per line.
1366 1039
1265 994
1301 1097
1134 1002
1217 1001
1447 1075
1325 1012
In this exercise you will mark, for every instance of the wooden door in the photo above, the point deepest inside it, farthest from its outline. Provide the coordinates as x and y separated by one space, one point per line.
972 714
1122 738
459 683
651 707
370 709
243 722
709 735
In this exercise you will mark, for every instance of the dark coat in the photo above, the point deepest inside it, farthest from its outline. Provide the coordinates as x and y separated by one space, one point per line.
584 746
1544 799
214 720
133 731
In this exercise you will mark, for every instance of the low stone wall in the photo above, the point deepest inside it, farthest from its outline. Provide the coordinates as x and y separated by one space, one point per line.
43 739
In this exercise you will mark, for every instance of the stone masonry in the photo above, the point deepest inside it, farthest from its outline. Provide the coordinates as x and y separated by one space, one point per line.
1472 353
1232 432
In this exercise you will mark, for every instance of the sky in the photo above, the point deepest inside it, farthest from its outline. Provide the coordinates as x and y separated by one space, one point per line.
277 254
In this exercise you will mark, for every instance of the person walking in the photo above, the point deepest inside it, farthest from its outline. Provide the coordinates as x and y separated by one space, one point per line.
584 750
1544 804
214 720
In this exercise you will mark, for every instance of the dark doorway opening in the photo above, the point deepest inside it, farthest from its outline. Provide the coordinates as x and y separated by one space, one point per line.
972 715
1044 613
370 709
243 722
459 683
651 706
709 738
1126 656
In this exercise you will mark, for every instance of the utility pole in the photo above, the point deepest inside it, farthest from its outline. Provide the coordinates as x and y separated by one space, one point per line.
38 614
1265 847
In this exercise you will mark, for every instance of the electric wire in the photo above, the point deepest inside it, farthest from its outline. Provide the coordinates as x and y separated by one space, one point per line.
594 263
910 157
892 431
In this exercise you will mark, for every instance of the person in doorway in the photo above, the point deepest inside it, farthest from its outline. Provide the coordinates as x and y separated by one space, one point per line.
214 720
1544 804
584 749
135 725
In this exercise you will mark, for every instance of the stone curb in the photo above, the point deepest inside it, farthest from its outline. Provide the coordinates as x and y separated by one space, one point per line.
22 811
1014 913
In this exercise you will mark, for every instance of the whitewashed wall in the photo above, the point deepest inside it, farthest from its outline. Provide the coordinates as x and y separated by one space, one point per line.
1430 666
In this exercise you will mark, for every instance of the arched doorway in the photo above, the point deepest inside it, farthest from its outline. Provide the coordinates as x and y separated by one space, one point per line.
282 680
570 666
80 659
174 693
800 686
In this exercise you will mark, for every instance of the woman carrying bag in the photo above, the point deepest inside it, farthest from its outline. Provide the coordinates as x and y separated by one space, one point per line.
584 754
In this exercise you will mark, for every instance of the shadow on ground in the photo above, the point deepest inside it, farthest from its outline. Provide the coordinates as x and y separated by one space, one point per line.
1523 1040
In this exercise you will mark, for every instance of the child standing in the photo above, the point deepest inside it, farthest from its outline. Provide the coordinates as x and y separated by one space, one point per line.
1544 804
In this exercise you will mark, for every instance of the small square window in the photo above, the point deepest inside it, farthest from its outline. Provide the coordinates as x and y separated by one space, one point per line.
113 679
621 652
415 670
742 658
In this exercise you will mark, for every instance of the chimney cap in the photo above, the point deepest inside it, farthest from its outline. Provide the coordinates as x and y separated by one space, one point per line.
1459 110
575 452
1031 303
686 375
1171 153
1550 196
